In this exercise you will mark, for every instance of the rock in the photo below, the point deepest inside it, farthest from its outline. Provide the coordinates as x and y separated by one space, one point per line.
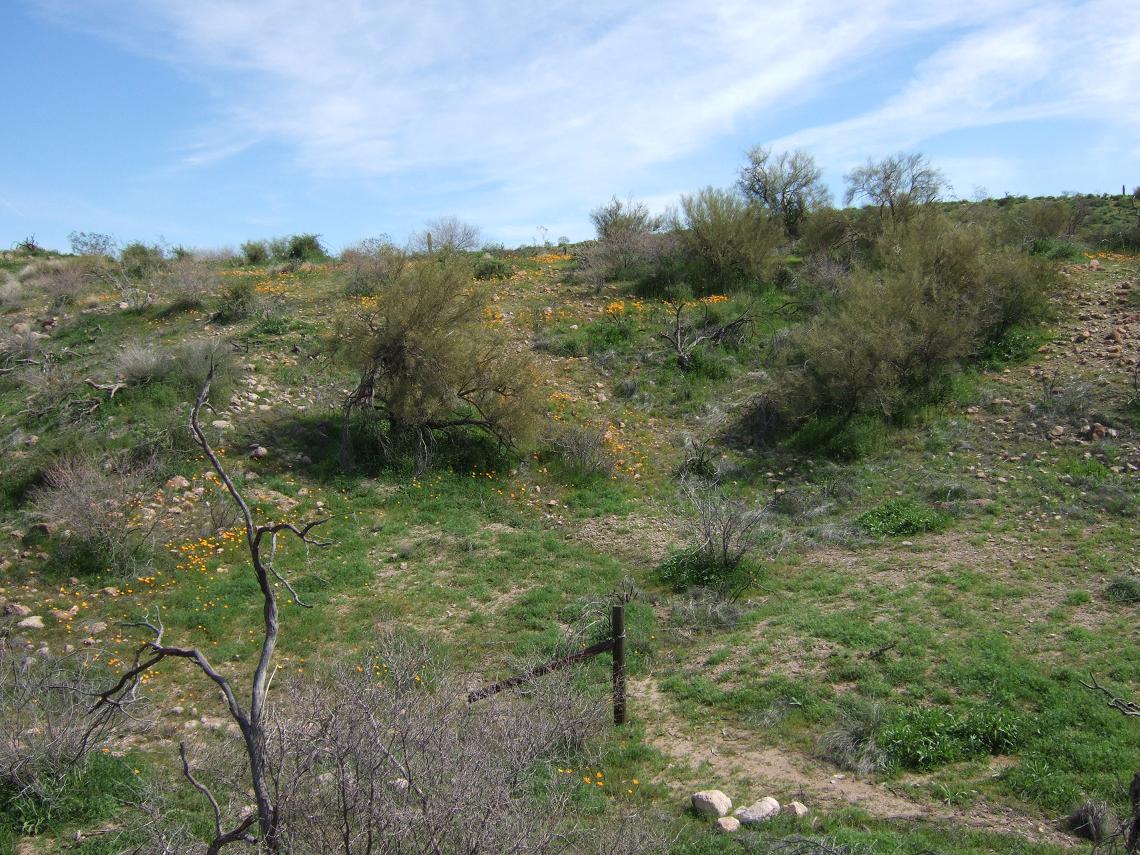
1094 264
400 784
760 812
96 627
31 622
220 424
1083 335
795 808
21 328
727 824
178 483
17 610
259 452
711 803
1057 431
109 591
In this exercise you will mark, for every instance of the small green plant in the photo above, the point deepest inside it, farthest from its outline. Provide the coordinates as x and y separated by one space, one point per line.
901 517
1125 588
925 737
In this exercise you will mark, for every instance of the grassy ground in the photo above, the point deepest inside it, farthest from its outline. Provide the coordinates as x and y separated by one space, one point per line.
962 568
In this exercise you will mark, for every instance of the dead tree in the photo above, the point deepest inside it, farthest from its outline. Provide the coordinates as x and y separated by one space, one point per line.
684 338
251 720
1130 830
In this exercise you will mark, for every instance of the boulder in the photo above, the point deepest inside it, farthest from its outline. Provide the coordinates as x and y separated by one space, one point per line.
727 824
711 803
17 610
760 812
31 622
795 809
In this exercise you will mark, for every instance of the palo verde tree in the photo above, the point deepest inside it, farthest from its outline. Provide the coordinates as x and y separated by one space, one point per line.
251 718
788 184
896 184
433 360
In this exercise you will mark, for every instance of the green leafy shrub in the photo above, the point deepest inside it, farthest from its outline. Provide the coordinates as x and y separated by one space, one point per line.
726 242
841 437
306 247
901 517
237 302
430 363
930 296
140 260
255 251
492 268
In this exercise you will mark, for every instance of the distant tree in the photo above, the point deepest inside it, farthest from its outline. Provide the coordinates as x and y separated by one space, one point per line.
787 184
448 234
896 183
617 219
91 243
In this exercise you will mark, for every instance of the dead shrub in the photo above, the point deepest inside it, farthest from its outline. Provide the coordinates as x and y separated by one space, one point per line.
91 508
185 366
583 449
46 731
62 279
703 610
386 755
1094 820
186 281
370 265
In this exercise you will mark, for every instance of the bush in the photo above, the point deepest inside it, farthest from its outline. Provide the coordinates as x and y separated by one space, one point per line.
492 268
11 293
854 743
726 242
187 281
433 361
255 251
702 609
140 261
583 449
901 517
1093 820
237 302
51 768
96 523
184 366
63 280
388 751
723 533
1124 589
370 265
306 247
931 295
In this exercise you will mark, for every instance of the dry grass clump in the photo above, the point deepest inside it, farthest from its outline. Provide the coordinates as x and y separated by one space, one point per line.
853 743
62 279
11 293
186 282
185 366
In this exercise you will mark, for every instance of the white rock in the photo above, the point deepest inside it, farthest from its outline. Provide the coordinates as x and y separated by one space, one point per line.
711 803
31 622
796 809
728 824
755 814
220 424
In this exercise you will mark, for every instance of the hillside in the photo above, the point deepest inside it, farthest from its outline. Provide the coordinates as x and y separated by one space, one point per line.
951 575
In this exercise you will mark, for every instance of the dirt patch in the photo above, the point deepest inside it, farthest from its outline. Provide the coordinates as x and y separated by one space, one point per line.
639 539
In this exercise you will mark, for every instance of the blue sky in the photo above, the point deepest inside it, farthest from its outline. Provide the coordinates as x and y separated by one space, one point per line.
207 123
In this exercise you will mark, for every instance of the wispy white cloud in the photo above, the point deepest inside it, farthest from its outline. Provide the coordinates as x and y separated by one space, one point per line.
582 99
